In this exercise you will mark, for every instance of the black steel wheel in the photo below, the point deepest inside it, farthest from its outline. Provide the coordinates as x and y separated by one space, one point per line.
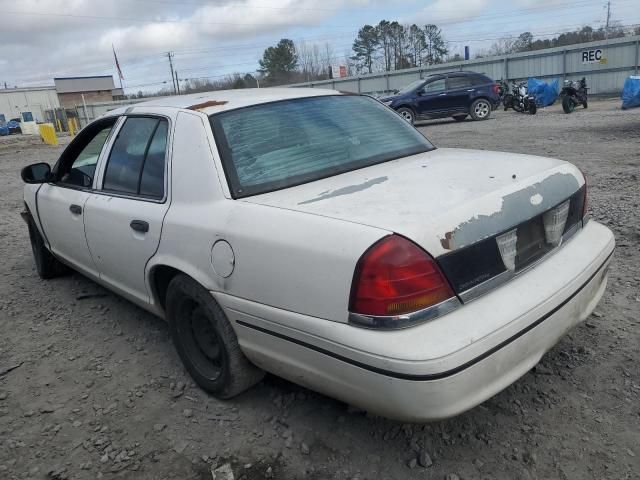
47 265
205 340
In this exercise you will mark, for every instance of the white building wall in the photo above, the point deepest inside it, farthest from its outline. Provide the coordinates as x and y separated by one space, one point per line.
14 101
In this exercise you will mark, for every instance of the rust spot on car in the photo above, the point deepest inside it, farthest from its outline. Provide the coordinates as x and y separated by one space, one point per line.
210 103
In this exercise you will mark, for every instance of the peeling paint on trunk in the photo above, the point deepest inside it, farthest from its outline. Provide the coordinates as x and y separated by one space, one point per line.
346 190
516 208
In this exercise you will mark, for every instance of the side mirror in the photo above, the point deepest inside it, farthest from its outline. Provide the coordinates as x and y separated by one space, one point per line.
419 92
36 173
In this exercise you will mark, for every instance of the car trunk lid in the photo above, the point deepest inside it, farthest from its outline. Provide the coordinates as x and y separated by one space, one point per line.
443 200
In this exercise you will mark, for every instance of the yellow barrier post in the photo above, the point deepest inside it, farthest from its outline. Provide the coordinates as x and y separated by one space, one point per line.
48 134
72 126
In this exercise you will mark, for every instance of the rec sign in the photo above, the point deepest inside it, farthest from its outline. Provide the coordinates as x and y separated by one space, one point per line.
593 56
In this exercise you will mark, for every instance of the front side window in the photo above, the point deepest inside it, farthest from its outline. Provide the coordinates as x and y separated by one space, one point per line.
435 86
136 162
79 168
281 144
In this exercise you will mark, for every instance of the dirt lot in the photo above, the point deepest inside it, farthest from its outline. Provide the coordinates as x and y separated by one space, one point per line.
95 389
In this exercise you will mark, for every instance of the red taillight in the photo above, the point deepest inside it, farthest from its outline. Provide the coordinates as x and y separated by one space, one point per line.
396 277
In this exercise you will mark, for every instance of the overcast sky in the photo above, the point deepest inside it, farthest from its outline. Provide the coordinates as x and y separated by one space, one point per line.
42 39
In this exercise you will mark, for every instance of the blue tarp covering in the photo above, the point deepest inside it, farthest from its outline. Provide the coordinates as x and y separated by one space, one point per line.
631 93
544 93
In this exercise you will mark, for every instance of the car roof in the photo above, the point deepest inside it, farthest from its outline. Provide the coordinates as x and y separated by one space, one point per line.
221 100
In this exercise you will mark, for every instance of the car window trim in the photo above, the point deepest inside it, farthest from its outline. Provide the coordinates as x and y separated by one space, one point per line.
100 190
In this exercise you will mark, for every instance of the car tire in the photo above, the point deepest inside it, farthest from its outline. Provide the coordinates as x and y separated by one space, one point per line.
480 109
460 118
567 104
205 340
407 114
47 265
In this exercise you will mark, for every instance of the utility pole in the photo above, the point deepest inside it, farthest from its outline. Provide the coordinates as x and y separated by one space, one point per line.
606 29
177 82
173 79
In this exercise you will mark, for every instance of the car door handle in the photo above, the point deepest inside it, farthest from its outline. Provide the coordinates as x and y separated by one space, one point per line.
471 90
139 226
75 209
442 95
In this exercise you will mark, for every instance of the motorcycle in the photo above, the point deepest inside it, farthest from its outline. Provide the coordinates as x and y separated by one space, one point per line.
518 99
574 93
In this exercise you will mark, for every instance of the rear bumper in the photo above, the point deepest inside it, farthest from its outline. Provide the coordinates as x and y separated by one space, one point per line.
441 368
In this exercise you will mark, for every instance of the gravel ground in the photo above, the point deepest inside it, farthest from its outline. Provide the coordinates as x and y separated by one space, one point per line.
91 387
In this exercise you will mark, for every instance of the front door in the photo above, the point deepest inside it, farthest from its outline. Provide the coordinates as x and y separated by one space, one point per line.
123 218
432 98
61 203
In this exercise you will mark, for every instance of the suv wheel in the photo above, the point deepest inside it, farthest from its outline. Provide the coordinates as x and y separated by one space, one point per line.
407 114
480 109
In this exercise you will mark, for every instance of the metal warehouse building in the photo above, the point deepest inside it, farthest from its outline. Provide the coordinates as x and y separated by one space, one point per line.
35 100
605 65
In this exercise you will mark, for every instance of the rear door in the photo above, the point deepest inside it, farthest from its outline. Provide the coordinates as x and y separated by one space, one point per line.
61 203
123 219
460 92
431 99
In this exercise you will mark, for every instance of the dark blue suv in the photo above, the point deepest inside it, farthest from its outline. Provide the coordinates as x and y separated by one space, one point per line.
455 94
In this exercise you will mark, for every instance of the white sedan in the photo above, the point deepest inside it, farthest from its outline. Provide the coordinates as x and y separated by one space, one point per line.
320 237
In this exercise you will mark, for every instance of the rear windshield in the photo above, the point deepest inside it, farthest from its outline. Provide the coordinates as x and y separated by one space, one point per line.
281 144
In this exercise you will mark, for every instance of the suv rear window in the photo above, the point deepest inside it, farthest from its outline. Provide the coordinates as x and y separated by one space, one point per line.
281 144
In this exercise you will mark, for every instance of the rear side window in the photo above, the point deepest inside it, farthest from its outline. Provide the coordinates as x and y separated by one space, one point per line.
457 83
137 159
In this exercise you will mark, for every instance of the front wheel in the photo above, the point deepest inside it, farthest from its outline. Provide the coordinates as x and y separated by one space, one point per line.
567 104
533 108
205 340
480 109
47 265
407 114
585 104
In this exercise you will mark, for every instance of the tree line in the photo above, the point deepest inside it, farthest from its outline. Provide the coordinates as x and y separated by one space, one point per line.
387 46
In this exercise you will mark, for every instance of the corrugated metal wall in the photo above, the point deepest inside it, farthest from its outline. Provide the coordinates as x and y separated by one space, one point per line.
620 56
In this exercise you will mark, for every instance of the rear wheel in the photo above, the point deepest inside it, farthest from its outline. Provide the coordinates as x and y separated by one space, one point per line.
480 109
407 114
567 104
205 340
47 265
460 118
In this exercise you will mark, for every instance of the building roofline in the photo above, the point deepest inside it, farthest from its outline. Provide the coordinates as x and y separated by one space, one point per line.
82 78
